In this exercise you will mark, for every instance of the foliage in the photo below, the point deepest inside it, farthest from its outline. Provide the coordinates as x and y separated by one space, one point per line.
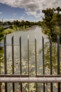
23 23
1 55
14 26
54 58
7 31
1 33
51 24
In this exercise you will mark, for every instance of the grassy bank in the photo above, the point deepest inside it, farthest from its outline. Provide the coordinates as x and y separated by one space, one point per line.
9 27
15 28
11 30
1 33
1 55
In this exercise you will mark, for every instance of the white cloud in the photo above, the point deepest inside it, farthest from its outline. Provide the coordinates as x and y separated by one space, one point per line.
22 18
26 19
12 19
32 6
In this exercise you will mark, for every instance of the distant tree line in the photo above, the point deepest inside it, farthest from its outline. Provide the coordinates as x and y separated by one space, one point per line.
18 23
14 25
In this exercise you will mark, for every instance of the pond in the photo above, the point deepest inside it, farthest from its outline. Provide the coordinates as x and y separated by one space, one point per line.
30 33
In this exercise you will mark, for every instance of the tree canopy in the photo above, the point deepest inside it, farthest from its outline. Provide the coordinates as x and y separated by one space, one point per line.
51 23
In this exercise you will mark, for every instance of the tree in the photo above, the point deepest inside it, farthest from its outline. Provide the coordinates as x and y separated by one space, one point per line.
58 9
17 23
48 20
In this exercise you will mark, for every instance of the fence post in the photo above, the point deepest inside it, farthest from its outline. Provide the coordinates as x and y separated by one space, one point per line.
58 59
0 73
51 61
28 59
43 62
5 60
20 64
36 60
13 61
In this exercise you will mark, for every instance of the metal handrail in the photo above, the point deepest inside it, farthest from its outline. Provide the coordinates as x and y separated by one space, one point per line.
31 79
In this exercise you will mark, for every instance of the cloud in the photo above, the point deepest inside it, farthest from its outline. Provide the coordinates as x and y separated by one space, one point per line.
26 19
32 6
22 17
12 19
0 13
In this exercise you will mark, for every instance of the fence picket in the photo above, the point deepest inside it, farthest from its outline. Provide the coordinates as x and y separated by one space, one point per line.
5 60
58 60
13 62
0 74
36 60
20 64
43 62
28 60
51 62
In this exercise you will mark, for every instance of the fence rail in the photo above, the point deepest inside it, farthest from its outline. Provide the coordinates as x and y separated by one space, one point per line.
47 79
13 78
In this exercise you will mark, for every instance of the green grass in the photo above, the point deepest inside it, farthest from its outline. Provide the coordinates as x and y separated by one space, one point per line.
1 33
11 29
1 54
7 31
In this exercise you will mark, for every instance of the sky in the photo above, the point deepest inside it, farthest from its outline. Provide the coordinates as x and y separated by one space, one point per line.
30 10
